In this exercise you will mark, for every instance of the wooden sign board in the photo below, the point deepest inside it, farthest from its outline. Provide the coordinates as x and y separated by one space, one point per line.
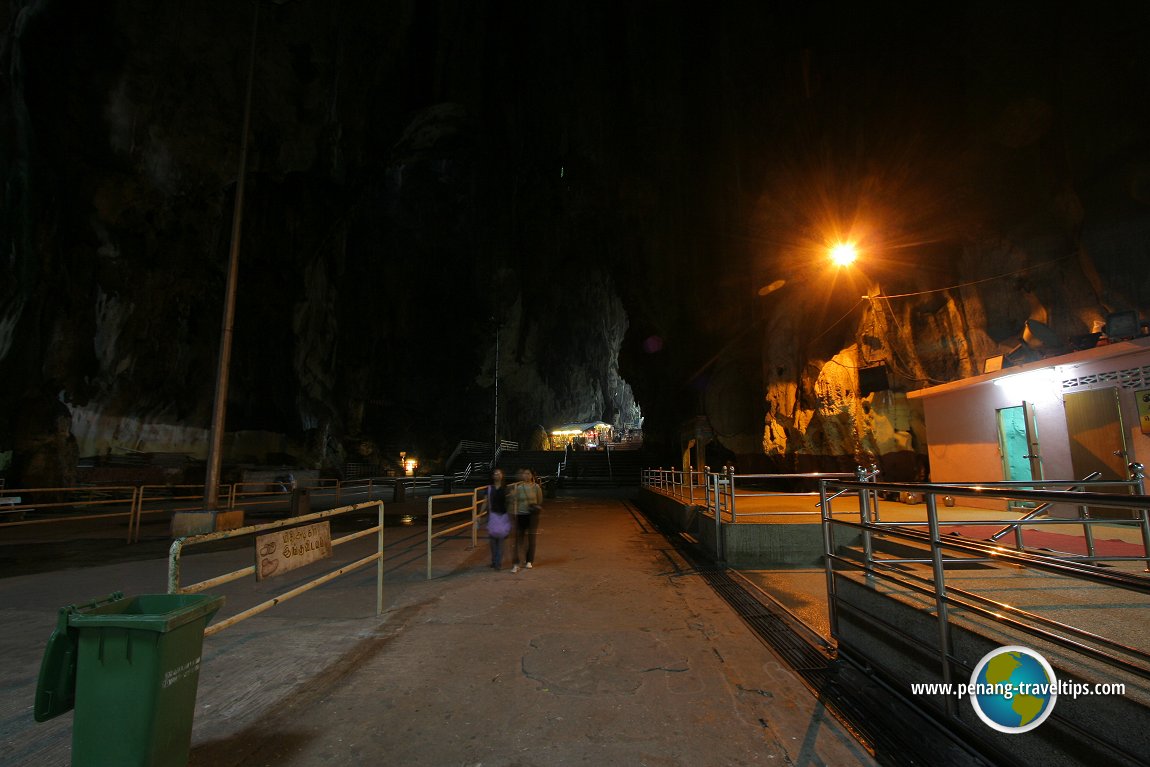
286 550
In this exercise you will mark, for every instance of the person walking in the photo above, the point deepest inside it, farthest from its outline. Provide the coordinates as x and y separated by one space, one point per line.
528 503
498 520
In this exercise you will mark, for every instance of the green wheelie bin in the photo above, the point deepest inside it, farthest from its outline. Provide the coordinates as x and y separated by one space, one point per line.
130 667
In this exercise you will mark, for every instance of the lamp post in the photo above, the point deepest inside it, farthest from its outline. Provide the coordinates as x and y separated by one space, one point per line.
495 434
223 365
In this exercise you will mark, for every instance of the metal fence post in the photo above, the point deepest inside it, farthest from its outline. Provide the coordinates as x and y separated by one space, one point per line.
474 518
379 567
718 521
1087 527
828 556
865 520
873 477
134 515
428 538
1138 476
731 492
940 597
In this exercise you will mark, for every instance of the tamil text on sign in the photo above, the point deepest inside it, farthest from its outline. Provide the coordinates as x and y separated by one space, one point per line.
294 547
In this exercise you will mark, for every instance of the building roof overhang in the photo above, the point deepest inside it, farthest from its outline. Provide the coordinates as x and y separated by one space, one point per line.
580 427
1063 361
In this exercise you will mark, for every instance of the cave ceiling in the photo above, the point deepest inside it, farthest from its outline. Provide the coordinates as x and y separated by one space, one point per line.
584 200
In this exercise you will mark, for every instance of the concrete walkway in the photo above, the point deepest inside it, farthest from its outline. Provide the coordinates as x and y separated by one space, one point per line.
610 651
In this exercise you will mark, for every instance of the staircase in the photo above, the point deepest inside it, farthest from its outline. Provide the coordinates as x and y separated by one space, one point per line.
594 468
545 463
601 467
470 462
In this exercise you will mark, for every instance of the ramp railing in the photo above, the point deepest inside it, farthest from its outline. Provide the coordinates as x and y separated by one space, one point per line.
931 575
475 508
719 491
175 556
690 486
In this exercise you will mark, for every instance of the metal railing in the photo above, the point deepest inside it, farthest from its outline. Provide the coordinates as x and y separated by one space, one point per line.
1139 504
178 546
716 493
55 505
1135 484
477 507
689 486
368 487
476 501
940 553
474 447
719 491
475 467
131 503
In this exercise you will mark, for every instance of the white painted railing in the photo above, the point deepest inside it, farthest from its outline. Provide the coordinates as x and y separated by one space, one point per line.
178 546
475 507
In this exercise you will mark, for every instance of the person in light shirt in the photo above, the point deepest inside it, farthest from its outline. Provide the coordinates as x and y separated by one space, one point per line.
527 500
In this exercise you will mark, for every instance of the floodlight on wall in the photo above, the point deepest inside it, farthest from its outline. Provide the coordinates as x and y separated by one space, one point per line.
1120 325
1039 335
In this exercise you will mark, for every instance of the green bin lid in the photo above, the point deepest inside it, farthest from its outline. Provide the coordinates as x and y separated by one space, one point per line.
56 687
149 612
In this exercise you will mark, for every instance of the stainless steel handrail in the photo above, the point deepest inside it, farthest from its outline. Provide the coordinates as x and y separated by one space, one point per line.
1116 654
987 490
1016 527
1069 566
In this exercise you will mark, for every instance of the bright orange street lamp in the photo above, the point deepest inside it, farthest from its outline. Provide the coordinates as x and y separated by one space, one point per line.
844 254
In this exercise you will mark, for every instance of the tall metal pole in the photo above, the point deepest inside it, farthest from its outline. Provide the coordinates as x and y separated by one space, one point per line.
215 446
495 436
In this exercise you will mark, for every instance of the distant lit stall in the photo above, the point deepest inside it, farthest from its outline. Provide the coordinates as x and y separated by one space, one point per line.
582 436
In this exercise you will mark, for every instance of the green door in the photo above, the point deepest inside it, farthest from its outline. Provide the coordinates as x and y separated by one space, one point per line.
1018 444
